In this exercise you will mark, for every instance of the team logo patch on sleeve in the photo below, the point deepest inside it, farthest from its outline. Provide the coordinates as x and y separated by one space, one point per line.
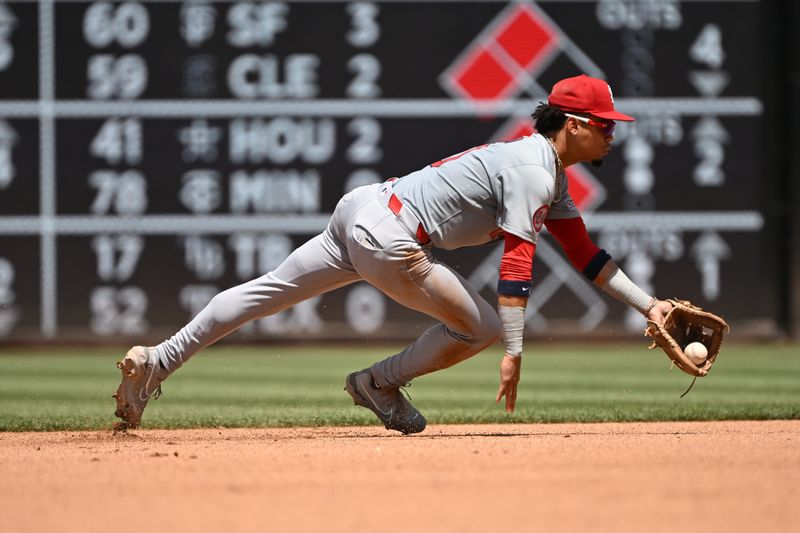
538 218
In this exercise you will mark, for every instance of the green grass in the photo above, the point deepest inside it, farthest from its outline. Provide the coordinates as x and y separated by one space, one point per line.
230 386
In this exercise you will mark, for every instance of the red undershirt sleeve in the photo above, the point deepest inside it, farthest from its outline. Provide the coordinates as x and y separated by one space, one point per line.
574 239
516 266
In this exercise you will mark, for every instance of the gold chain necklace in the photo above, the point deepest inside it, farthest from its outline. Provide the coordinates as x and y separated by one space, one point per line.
559 170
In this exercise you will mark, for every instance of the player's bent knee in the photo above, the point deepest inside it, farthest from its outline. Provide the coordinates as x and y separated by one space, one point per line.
489 331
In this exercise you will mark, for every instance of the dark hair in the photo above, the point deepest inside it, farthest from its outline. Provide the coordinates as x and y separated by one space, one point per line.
548 119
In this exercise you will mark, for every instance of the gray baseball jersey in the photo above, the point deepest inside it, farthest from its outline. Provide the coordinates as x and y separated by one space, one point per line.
465 199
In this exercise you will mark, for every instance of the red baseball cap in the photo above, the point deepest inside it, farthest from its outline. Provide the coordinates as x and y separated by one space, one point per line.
584 94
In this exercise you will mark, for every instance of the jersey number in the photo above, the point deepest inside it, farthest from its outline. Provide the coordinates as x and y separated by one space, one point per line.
454 157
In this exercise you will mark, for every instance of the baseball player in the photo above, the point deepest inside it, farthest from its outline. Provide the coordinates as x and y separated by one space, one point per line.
384 234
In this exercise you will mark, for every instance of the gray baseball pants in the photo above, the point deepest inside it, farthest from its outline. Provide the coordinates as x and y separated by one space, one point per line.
363 240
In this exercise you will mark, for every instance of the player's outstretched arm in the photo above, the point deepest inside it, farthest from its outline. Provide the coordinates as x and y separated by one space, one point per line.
613 280
513 289
596 264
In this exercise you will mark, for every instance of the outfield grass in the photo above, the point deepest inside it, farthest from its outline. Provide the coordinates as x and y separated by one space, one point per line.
232 386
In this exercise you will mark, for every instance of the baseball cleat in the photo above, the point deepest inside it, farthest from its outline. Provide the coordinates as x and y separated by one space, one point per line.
388 403
141 380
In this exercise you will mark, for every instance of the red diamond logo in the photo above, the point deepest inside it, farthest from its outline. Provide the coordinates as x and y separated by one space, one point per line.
483 77
526 37
502 60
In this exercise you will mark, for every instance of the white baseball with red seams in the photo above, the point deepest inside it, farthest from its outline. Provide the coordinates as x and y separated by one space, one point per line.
696 352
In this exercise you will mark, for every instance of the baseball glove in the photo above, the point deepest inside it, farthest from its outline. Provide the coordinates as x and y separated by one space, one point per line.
686 323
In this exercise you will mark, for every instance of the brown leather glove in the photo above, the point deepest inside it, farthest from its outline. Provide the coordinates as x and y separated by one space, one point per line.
686 323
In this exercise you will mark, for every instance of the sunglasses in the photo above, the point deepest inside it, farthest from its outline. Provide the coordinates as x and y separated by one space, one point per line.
606 127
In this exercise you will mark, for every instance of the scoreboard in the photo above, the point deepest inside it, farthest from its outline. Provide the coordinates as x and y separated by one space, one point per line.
154 153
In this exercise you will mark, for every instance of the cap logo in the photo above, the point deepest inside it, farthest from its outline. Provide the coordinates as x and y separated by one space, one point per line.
610 93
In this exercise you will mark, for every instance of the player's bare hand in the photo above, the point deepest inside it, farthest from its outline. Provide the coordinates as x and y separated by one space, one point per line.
659 311
509 378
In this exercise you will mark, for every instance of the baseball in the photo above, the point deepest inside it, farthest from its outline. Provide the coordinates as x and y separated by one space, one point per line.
696 352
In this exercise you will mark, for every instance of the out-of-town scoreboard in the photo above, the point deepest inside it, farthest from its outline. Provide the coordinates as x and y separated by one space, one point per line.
153 153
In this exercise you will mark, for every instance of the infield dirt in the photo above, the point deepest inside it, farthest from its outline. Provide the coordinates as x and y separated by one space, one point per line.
647 477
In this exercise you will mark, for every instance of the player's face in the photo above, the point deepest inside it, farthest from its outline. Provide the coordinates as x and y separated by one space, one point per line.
593 135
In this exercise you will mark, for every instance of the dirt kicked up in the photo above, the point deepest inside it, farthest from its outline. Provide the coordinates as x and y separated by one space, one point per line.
704 476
